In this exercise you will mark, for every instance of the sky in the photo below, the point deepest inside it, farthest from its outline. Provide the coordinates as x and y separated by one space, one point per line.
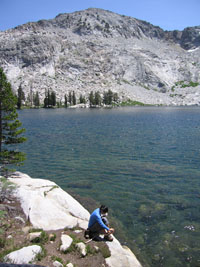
167 14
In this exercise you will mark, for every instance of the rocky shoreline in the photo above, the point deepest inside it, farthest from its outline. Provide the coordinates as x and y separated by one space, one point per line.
50 211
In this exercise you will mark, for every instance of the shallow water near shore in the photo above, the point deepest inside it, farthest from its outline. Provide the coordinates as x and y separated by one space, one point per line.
143 162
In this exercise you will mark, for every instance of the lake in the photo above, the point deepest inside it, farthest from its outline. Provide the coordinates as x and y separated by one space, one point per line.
142 162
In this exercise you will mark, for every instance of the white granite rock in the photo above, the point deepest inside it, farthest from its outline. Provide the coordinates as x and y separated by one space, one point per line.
24 255
70 265
34 235
18 218
96 248
57 264
47 205
78 231
66 242
81 247
121 256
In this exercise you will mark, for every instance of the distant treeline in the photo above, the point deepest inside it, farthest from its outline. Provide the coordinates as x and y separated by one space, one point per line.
50 100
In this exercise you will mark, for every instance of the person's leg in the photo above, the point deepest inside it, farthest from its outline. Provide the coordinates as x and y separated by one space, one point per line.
95 230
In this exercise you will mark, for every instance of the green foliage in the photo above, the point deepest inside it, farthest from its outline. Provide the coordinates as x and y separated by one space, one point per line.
41 255
90 250
91 99
104 250
132 103
10 126
82 99
70 98
53 237
184 84
74 98
73 245
2 242
50 99
36 100
97 98
66 100
108 97
20 97
5 184
42 239
54 258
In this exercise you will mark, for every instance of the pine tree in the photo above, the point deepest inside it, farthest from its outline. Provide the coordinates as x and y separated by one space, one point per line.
20 97
97 99
70 98
36 100
108 97
82 99
10 131
91 98
47 99
74 98
53 99
66 101
115 97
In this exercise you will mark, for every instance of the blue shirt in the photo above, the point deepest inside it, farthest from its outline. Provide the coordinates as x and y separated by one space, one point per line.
96 217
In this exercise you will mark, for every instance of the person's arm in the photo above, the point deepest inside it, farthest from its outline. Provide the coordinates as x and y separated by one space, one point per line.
100 222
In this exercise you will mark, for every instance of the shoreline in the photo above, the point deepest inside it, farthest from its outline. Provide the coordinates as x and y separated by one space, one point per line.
38 197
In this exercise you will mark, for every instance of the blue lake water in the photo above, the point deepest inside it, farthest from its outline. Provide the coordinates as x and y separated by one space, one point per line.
143 162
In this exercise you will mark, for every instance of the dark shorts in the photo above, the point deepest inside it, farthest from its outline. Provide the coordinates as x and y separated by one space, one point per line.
96 228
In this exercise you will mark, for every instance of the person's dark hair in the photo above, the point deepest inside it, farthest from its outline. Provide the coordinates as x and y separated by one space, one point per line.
103 209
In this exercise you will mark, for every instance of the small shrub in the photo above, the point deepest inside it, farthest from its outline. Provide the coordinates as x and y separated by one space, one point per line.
2 242
42 239
41 255
90 250
55 258
105 251
53 237
73 245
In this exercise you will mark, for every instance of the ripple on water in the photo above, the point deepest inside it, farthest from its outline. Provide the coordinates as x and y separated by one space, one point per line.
141 162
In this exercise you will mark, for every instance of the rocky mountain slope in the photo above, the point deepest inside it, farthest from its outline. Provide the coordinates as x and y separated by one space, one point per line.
99 50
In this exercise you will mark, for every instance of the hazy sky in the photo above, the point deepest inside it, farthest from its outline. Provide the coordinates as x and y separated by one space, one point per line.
168 14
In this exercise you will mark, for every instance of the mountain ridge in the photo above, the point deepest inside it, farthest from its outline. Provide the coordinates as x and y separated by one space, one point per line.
99 50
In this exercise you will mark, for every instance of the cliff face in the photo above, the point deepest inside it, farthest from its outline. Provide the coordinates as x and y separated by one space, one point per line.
100 50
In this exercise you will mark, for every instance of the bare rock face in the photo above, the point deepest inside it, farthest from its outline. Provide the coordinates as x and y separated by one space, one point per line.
46 205
99 50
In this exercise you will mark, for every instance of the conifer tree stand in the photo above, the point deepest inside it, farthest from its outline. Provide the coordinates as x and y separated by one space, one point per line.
10 128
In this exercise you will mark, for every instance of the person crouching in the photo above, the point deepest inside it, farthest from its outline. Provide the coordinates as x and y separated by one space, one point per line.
98 225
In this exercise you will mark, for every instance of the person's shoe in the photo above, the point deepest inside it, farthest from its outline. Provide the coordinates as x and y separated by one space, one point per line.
87 234
108 238
97 238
